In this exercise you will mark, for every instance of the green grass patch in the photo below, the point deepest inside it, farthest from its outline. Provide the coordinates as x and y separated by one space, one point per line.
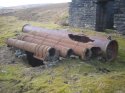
11 26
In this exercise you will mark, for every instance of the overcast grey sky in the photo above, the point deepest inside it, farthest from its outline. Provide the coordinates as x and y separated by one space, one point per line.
8 3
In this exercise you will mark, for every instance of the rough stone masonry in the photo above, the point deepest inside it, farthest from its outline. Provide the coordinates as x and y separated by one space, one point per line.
98 14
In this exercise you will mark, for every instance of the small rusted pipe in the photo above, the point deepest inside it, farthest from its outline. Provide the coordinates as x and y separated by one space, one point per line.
82 51
63 47
40 51
63 51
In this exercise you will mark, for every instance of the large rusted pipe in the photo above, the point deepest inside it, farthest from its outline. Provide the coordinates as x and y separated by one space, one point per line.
53 35
63 51
41 36
109 47
28 28
40 51
82 51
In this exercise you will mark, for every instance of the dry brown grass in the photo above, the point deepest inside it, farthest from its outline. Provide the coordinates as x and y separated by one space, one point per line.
48 13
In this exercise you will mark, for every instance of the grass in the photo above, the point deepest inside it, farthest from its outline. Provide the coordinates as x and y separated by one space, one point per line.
11 26
68 76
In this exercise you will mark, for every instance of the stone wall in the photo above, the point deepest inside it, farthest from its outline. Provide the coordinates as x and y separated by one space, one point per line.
82 13
119 16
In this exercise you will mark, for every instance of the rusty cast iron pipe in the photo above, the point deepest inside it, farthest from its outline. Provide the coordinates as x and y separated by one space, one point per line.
104 44
81 51
40 51
28 28
63 51
52 34
109 47
42 35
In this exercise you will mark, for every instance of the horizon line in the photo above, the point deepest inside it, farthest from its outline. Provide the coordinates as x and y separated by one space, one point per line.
33 4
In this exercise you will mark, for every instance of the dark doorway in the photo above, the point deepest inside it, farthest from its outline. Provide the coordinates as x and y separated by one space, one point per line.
104 15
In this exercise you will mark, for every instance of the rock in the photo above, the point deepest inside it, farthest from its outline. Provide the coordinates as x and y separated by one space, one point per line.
102 59
85 74
66 82
103 70
12 61
3 71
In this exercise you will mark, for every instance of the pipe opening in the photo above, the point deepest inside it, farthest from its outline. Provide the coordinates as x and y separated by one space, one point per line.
112 50
96 51
52 52
24 27
88 54
69 53
33 61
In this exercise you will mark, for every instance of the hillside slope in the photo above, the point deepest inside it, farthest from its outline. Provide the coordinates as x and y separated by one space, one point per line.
48 13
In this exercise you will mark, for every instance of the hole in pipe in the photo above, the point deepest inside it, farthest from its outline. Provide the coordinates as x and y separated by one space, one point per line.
87 54
112 50
69 53
52 52
33 61
96 51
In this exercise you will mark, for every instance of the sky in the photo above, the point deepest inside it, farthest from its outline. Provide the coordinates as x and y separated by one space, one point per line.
9 3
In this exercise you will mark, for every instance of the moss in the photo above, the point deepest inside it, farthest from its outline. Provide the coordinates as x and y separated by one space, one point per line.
69 75
108 31
11 26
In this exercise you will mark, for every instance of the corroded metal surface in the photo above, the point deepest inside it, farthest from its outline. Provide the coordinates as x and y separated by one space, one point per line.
63 50
63 45
44 43
108 47
28 28
40 51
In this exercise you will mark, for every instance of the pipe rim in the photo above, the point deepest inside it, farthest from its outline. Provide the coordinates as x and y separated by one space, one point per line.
52 52
112 50
24 27
96 51
69 53
86 55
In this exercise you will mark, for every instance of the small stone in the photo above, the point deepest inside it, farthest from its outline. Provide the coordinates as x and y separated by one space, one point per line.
73 57
3 71
85 74
102 59
66 82
12 61
103 70
61 58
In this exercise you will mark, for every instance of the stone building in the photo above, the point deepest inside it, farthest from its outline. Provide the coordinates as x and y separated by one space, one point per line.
98 14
